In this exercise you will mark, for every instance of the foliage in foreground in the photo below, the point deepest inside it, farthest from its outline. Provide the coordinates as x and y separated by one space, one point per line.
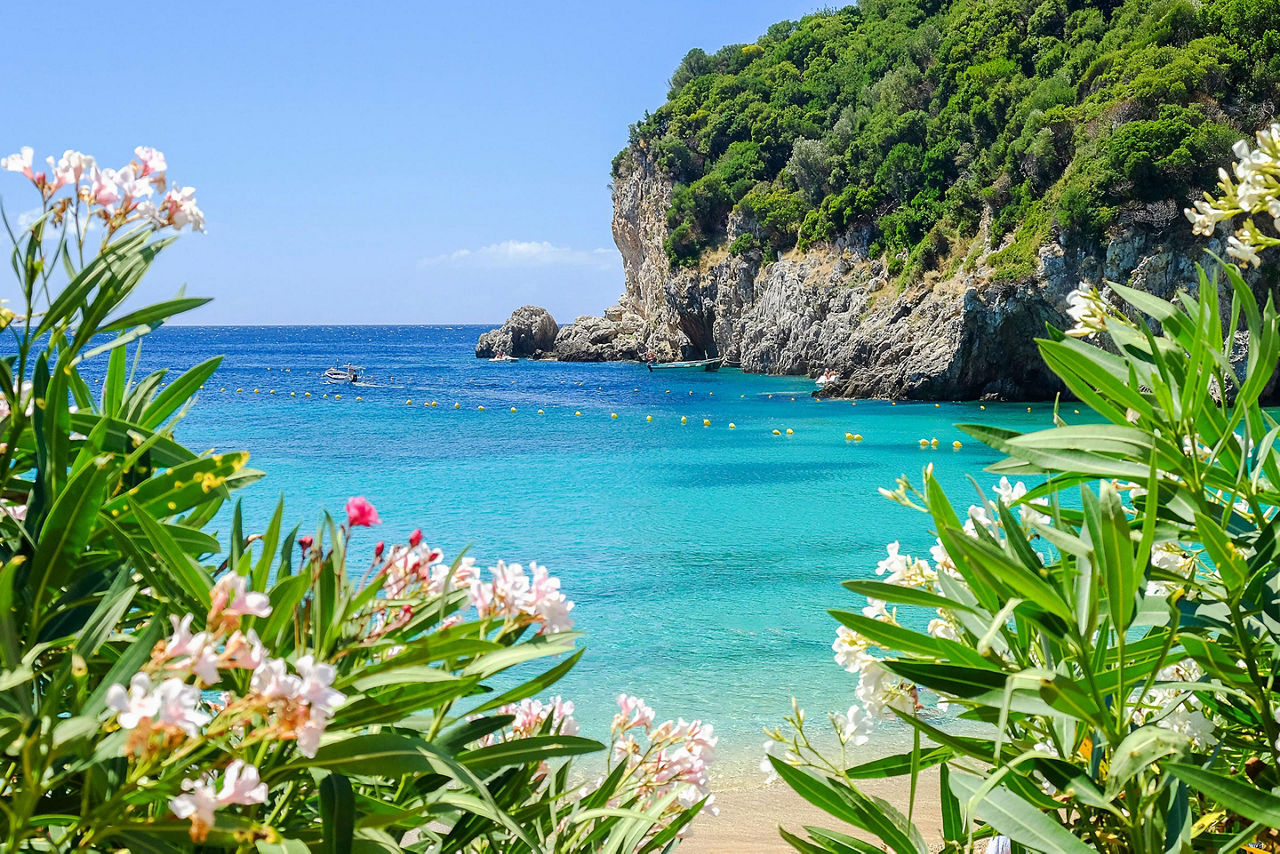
1114 632
159 694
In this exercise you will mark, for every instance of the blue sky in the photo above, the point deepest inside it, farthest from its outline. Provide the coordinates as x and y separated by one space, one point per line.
367 162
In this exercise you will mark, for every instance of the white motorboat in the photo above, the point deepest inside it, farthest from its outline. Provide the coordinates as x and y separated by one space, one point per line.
347 373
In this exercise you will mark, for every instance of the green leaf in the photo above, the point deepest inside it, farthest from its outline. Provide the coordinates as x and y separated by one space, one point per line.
522 751
853 807
1015 818
337 813
1140 750
1230 793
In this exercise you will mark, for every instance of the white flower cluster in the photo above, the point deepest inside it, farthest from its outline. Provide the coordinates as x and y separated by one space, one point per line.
879 691
1088 310
1253 190
241 784
533 598
115 196
1174 708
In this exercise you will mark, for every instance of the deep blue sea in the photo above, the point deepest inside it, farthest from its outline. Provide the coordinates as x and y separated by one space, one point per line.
702 559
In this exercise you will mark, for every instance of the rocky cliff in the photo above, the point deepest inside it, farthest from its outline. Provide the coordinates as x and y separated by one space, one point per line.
961 335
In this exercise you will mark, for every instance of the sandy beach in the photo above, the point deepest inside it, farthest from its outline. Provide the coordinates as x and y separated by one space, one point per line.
749 816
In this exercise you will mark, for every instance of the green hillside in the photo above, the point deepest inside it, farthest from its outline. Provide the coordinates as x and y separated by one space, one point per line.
907 115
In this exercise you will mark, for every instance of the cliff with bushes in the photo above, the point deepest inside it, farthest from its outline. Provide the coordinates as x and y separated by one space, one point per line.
906 190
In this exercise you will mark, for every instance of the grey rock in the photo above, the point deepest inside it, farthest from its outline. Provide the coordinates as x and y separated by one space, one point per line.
530 332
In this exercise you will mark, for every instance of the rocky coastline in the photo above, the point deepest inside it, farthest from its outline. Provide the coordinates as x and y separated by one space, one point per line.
965 335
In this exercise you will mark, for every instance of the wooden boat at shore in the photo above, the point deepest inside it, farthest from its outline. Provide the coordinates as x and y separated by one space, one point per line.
696 365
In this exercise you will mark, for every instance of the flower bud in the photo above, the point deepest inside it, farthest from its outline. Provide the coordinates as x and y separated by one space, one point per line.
378 549
415 538
304 542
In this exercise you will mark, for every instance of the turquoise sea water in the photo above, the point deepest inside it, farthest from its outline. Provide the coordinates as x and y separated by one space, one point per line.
701 559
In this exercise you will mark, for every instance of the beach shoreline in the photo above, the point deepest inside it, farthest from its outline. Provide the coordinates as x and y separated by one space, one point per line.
750 814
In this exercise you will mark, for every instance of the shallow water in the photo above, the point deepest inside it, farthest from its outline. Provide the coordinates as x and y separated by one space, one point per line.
701 559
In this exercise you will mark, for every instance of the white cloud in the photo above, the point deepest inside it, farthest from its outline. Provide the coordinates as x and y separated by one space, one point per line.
526 253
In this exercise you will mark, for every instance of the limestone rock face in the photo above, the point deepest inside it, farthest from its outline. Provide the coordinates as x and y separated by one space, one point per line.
530 332
963 335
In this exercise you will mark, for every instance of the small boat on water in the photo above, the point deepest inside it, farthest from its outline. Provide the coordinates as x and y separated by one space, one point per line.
696 365
347 373
503 357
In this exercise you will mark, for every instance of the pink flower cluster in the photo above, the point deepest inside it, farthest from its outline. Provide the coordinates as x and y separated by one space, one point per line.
115 196
163 707
417 571
674 758
523 599
241 784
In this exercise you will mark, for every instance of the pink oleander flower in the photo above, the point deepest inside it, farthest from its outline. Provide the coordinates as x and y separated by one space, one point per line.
304 542
231 597
198 804
634 713
179 205
241 784
103 190
152 160
135 705
303 703
317 681
20 162
360 513
244 651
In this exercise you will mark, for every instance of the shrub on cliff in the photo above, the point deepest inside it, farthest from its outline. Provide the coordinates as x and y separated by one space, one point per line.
923 106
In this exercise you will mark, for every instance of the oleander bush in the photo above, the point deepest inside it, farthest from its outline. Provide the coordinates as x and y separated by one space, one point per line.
1111 633
163 691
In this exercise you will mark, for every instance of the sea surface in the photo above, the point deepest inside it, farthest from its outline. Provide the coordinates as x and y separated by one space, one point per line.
702 559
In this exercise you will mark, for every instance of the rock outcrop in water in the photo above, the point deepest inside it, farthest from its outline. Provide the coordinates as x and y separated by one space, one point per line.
962 335
530 331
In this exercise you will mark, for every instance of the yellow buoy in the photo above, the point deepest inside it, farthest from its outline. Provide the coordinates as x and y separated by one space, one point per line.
540 412
777 432
684 420
706 422
857 437
771 397
480 408
408 402
1028 408
793 399
848 437
956 444
982 406
648 418
937 405
337 397
635 389
255 391
293 394
790 431
712 393
934 442
306 394
457 405
924 442
1076 411
433 403
513 409
668 391
578 414
613 415
324 395
742 396
733 426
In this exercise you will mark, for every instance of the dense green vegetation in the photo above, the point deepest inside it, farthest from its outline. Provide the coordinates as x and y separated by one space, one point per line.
909 115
